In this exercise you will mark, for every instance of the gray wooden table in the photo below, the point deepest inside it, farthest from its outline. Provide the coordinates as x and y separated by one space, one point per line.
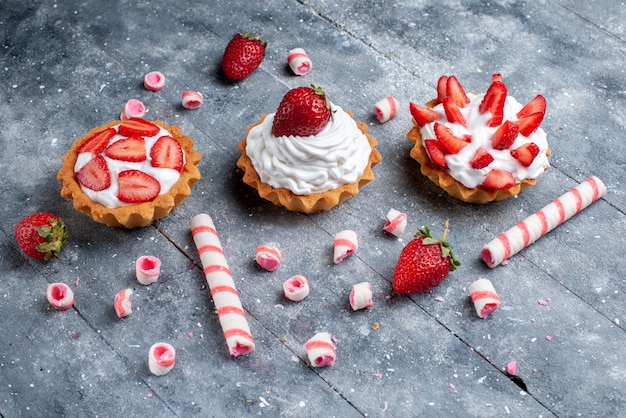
69 66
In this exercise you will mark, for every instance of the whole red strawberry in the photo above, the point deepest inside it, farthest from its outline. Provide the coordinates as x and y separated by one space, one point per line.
41 235
242 56
303 111
424 263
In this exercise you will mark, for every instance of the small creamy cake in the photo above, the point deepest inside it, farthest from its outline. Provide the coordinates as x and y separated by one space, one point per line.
479 147
129 173
309 173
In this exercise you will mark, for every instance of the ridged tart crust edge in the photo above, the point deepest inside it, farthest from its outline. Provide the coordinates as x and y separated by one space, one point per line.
138 215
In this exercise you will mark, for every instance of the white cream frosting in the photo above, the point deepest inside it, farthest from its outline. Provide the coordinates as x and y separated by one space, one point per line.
336 156
166 177
459 164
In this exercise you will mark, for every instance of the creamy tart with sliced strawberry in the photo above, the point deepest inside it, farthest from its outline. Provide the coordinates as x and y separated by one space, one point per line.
479 148
308 156
129 173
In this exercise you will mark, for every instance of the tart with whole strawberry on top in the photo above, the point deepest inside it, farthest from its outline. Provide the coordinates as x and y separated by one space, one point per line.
309 155
479 148
129 173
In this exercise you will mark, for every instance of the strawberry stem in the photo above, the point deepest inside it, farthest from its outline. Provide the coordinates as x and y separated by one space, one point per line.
446 247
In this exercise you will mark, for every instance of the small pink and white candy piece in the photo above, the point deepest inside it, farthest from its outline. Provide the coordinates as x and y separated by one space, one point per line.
268 257
321 350
484 296
154 81
133 109
60 296
299 61
345 244
161 358
296 288
396 222
147 269
361 296
122 303
386 109
192 99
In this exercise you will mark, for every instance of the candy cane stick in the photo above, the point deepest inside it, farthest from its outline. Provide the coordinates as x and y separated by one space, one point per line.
396 222
543 221
321 350
386 109
161 358
361 296
268 257
484 296
229 309
299 61
345 244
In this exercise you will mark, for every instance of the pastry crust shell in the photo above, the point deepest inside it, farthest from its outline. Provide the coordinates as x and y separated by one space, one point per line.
448 183
311 203
138 215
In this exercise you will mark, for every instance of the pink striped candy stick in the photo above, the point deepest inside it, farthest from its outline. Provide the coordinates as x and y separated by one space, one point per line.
225 297
543 221
299 61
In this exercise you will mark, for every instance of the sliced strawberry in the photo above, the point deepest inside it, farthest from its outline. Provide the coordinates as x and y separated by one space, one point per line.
95 174
529 124
132 149
453 144
481 159
423 115
526 153
456 92
167 153
496 77
137 187
505 135
453 113
536 105
442 88
138 126
97 142
498 179
493 102
436 151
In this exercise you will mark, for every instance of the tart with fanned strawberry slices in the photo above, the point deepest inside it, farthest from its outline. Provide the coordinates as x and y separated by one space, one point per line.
129 173
479 148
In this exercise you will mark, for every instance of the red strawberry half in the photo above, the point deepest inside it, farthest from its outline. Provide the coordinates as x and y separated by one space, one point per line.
242 56
138 127
453 113
455 91
493 102
498 179
536 105
97 142
436 151
95 174
423 115
303 111
442 88
529 124
41 235
137 187
505 135
481 159
132 149
526 153
453 144
424 263
167 153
